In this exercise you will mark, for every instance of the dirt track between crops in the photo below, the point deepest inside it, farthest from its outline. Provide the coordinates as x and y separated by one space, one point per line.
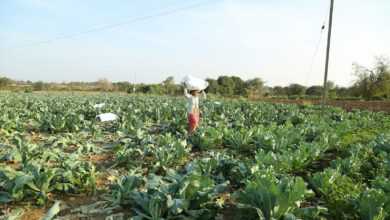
345 104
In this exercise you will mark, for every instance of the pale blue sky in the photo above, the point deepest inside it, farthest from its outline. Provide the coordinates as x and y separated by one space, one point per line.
271 39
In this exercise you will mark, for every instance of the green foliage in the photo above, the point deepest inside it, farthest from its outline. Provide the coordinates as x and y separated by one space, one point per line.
296 89
363 164
240 140
314 90
247 160
206 139
339 191
234 86
4 82
174 196
221 167
373 82
372 204
39 86
273 198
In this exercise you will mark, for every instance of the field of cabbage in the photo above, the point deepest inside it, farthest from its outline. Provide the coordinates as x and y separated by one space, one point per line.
248 160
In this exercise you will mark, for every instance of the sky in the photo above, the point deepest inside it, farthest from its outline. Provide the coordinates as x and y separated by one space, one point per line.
137 41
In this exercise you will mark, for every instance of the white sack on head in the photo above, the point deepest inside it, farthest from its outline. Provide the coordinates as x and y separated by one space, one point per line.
193 83
107 117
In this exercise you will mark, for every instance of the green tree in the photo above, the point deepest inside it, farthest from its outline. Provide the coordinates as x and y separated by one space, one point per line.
169 86
342 92
170 80
382 79
314 90
330 85
39 86
239 85
131 88
121 86
255 87
213 86
4 82
225 86
296 89
372 82
279 91
104 85
231 85
145 88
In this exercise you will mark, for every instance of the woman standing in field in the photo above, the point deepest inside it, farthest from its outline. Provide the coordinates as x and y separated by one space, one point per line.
193 108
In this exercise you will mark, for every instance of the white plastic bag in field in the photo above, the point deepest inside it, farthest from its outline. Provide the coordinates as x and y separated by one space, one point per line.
100 105
107 117
193 83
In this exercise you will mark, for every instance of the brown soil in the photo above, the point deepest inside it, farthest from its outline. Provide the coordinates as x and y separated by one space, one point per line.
71 148
102 181
102 161
33 214
100 158
345 104
77 200
36 213
35 136
13 164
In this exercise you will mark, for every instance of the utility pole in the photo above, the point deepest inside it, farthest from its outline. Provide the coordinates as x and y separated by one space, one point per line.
325 91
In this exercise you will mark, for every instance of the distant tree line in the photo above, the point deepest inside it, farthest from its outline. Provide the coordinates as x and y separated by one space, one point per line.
370 84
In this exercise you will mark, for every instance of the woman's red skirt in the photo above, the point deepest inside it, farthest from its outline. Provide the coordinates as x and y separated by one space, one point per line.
193 121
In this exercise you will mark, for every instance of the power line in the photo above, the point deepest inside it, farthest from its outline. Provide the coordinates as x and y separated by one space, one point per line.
317 47
115 25
315 54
